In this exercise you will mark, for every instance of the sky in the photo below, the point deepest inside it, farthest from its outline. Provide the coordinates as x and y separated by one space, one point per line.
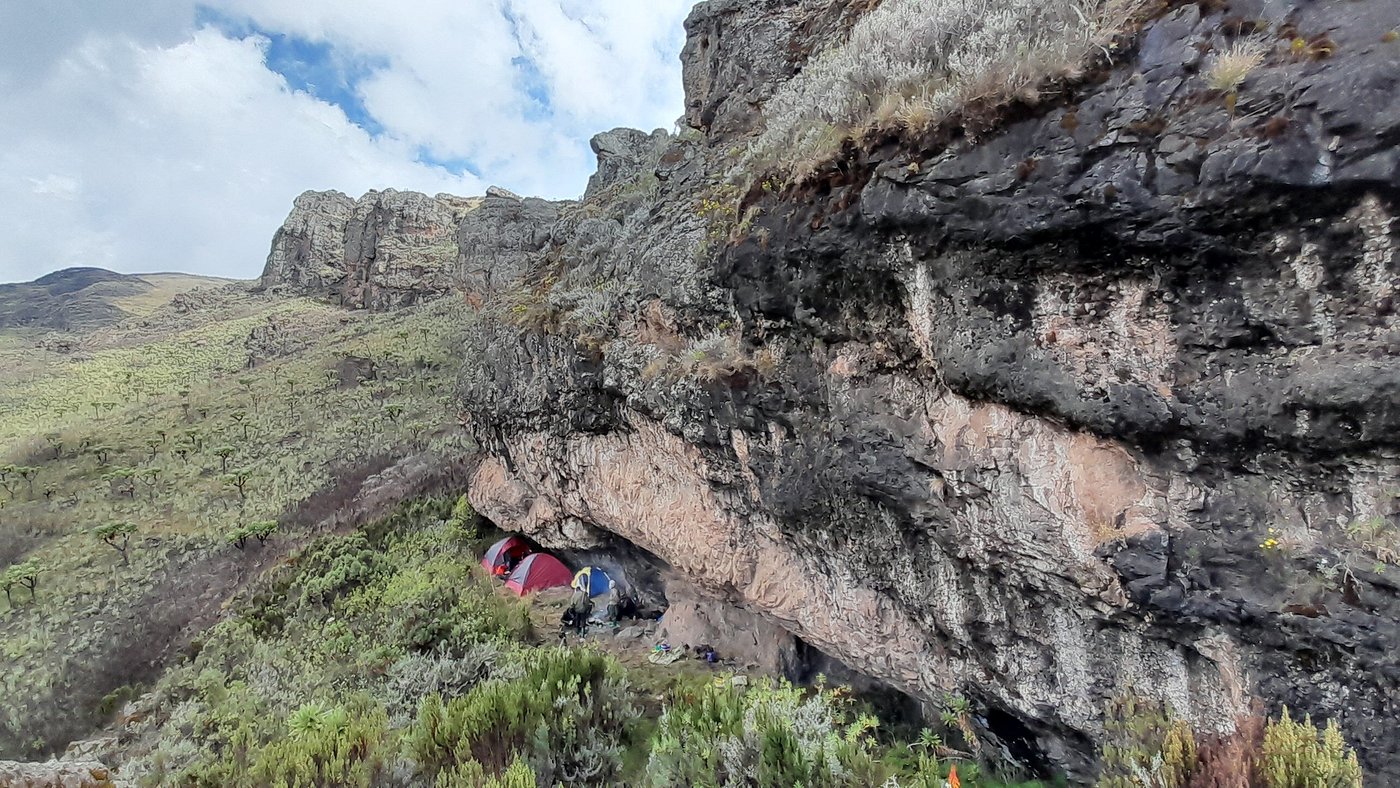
172 135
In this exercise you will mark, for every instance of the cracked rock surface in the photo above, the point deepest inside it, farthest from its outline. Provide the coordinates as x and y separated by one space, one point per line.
1008 417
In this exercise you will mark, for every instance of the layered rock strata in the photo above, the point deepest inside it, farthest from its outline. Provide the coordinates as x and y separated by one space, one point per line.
1103 399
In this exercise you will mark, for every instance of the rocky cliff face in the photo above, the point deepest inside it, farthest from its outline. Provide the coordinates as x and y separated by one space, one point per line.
1104 398
394 248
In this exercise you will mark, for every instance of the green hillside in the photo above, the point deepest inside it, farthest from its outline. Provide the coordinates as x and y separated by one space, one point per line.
83 299
187 429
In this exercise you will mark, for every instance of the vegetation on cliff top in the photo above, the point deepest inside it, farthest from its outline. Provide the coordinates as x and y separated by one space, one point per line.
911 64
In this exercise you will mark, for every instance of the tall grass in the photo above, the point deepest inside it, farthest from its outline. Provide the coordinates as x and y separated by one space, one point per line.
913 63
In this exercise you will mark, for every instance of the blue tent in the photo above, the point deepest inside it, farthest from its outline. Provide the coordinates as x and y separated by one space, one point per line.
593 580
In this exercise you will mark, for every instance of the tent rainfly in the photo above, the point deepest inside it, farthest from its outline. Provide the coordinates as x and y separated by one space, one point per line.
505 553
591 579
536 572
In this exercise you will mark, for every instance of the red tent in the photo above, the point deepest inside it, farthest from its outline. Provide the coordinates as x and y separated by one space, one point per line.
505 553
537 571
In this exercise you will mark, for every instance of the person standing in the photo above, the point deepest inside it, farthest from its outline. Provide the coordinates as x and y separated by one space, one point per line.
580 606
614 601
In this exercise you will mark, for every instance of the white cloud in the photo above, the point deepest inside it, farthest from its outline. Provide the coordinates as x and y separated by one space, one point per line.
140 145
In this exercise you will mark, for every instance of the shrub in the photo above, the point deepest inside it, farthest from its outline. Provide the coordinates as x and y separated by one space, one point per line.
463 521
1296 755
331 747
567 716
455 616
471 775
779 734
717 357
417 676
261 530
336 566
1145 746
24 574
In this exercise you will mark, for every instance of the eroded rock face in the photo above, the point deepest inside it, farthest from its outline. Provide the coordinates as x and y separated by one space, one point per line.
395 248
1008 596
497 241
737 52
623 155
1011 417
388 248
56 774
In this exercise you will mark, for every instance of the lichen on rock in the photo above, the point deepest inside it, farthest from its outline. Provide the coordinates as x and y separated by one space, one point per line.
1004 411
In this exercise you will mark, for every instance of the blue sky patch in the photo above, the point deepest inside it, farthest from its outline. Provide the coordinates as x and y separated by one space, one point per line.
529 79
533 85
454 165
314 67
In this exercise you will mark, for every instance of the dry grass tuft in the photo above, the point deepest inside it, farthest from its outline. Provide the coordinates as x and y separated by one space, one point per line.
1104 531
910 64
1232 67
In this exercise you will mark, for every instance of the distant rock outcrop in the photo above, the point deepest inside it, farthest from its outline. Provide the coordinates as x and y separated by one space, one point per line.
392 248
71 299
1098 395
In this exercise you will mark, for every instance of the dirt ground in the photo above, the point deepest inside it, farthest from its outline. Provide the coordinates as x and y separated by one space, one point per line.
546 608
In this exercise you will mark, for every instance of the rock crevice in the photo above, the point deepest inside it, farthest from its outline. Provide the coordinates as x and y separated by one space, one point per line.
1009 417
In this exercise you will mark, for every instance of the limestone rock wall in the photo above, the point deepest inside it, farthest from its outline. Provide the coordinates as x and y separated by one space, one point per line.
1009 417
57 774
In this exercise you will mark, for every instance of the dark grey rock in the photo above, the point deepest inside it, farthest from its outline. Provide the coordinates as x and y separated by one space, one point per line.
1035 399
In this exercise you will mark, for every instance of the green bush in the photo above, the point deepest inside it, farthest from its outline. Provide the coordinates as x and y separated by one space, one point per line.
779 734
471 775
463 521
567 716
337 749
416 676
24 574
261 530
1297 755
339 565
406 517
1145 745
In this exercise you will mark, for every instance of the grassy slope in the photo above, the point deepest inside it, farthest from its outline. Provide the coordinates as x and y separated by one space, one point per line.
165 286
321 673
145 393
135 396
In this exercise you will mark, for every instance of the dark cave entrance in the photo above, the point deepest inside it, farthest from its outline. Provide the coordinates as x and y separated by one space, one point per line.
749 641
1019 740
898 711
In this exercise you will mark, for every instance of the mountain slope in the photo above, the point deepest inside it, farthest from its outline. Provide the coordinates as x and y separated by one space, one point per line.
1070 369
226 410
1037 361
79 299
